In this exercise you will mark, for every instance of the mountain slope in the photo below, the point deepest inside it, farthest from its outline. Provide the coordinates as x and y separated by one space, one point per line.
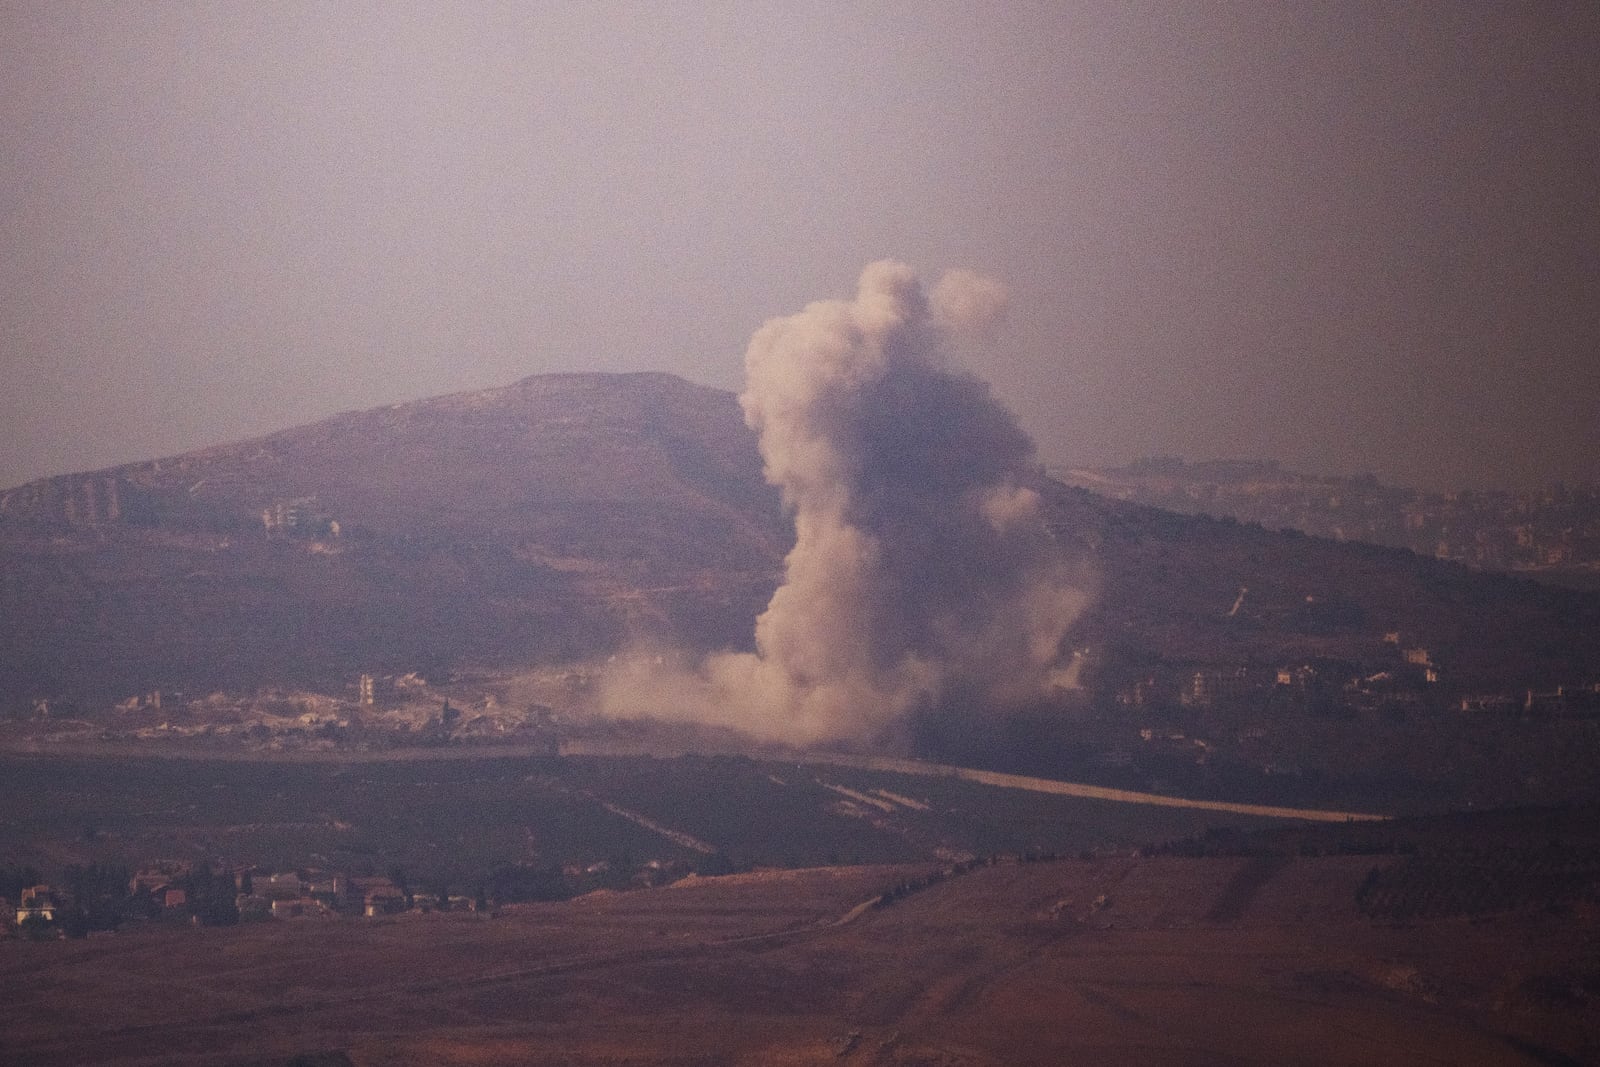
544 520
1171 584
554 518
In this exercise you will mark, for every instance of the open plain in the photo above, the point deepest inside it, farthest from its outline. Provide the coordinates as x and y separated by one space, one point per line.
1132 960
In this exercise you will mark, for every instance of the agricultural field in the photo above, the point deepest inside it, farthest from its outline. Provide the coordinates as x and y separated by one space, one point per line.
1122 959
452 821
843 912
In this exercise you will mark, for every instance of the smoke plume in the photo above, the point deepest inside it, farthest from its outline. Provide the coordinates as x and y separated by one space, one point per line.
923 576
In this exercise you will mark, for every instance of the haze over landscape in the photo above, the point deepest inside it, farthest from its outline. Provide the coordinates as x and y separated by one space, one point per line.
424 641
1348 237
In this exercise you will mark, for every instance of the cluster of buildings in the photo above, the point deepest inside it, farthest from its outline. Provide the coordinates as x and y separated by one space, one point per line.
177 892
1240 701
298 518
1406 676
1561 702
1557 527
36 904
180 893
385 711
297 894
1407 681
1410 683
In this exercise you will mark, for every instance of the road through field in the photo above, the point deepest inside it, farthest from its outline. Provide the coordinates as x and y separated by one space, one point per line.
590 747
1079 789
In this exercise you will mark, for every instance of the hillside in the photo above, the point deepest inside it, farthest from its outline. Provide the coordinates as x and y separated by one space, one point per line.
542 521
1552 534
553 519
1171 583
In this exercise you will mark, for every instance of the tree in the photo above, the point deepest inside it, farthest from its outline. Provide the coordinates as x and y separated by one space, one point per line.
35 928
397 875
13 880
99 898
211 897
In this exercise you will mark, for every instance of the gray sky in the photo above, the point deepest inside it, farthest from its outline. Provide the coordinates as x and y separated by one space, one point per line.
1346 236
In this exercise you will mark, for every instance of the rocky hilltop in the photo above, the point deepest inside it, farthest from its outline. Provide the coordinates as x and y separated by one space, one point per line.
555 518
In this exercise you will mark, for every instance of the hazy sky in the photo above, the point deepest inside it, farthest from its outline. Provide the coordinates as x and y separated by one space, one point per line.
1346 236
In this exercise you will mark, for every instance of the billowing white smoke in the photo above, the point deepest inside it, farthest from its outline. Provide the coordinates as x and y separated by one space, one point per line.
923 575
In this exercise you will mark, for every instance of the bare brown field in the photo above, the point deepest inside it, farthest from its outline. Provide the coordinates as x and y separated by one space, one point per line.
1123 960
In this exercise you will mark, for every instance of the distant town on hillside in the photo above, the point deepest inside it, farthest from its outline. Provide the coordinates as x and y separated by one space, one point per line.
1551 533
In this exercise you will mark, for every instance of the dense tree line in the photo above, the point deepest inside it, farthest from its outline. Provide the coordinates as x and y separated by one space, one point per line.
14 878
97 899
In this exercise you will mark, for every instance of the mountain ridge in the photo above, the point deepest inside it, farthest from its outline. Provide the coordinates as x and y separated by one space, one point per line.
563 516
1551 534
496 483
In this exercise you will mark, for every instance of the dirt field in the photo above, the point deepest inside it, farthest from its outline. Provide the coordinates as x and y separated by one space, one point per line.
1127 961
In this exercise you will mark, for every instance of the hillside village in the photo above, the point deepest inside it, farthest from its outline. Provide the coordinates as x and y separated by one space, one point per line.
376 712
380 712
1306 731
1550 530
1409 681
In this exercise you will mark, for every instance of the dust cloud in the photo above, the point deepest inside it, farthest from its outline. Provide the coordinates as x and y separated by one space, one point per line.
923 576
